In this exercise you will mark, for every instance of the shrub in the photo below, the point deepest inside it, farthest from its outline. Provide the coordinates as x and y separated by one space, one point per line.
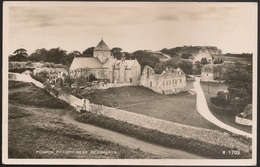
220 100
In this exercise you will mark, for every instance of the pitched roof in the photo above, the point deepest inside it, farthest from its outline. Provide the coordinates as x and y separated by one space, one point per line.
85 62
102 46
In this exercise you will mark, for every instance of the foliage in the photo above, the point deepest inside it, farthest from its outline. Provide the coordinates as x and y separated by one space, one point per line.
185 66
39 78
239 82
198 65
159 67
186 56
88 52
117 52
39 55
67 60
218 61
244 55
204 61
220 99
29 64
19 55
36 97
55 55
145 58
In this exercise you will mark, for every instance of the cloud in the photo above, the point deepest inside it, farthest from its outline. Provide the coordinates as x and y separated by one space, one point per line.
215 13
168 18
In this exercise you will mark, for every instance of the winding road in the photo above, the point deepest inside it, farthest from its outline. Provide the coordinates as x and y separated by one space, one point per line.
203 109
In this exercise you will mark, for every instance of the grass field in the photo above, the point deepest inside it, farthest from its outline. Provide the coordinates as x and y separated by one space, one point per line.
221 113
239 59
40 132
179 108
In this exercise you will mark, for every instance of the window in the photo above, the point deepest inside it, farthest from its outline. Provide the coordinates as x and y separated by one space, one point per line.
151 83
163 83
180 80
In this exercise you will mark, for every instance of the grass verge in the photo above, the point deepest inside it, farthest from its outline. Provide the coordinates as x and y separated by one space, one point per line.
33 133
180 108
29 94
223 114
153 136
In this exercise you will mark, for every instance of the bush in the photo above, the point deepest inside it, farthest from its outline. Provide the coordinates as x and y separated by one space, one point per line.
38 78
220 100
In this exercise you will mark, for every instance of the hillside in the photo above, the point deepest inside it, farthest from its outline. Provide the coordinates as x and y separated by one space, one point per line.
191 50
37 129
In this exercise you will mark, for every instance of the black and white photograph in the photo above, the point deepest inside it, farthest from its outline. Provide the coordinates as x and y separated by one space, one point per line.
129 83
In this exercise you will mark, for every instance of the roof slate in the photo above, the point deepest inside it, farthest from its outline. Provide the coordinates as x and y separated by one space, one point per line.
87 62
102 46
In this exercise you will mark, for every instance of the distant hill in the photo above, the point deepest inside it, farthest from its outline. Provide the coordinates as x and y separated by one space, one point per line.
191 50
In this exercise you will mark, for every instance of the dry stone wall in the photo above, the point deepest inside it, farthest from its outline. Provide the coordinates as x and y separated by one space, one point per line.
202 134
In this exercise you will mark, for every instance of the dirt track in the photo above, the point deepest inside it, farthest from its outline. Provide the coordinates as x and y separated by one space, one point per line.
132 142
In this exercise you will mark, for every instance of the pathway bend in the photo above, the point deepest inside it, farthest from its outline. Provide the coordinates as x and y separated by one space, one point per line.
203 109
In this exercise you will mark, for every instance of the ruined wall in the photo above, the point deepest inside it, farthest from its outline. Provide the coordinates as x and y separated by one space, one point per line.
165 83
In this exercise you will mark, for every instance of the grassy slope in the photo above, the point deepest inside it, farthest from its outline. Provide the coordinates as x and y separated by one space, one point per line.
239 59
220 113
32 129
179 108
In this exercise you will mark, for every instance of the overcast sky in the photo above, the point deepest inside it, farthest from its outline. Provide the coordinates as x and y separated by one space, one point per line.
231 27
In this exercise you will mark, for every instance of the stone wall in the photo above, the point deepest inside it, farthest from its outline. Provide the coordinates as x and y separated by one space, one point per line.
202 134
243 121
78 104
24 78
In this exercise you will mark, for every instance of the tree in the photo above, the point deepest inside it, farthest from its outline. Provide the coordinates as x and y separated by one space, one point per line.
186 56
56 55
39 55
220 100
117 52
19 55
185 66
145 58
67 60
198 65
204 61
239 82
160 67
88 52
